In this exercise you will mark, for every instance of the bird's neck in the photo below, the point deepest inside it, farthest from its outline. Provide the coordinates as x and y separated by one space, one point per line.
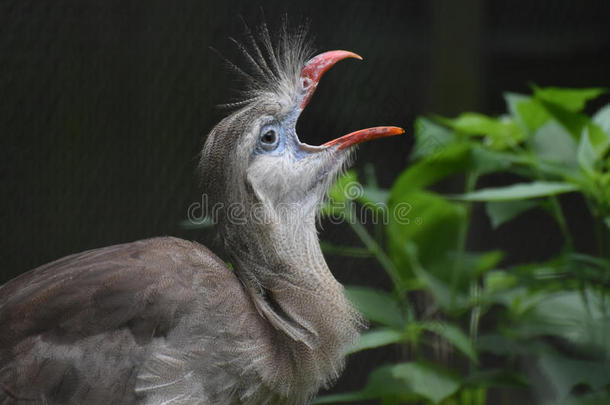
285 273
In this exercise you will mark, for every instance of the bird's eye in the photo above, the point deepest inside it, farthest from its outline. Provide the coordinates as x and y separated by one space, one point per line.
269 139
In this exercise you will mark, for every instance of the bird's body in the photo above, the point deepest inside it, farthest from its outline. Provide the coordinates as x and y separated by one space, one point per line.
165 321
132 322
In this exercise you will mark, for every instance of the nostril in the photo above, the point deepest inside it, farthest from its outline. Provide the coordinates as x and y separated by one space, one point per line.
305 83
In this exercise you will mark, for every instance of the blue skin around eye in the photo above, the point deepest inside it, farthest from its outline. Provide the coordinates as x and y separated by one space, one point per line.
286 138
259 150
286 128
298 152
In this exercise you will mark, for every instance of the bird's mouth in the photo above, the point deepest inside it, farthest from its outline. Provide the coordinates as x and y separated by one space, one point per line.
311 74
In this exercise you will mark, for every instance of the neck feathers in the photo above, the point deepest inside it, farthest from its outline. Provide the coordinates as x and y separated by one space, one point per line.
285 273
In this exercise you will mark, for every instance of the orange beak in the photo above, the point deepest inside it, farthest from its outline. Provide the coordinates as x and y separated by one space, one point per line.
311 74
364 135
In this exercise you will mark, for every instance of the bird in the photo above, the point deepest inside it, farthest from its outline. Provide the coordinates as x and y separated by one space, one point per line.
165 320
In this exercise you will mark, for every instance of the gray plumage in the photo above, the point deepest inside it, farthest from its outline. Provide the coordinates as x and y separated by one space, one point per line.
164 321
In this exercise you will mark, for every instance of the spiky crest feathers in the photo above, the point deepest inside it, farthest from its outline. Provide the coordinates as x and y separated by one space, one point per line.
272 64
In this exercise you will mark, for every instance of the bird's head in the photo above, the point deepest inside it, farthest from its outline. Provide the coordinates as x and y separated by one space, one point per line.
253 163
263 186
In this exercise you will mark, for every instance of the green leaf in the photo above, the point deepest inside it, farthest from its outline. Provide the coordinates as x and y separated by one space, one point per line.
519 191
552 143
430 138
346 188
499 133
382 383
377 338
473 265
483 262
503 211
499 345
594 144
586 152
431 222
572 121
377 306
374 196
452 159
496 378
498 281
568 315
602 119
529 112
474 395
473 124
427 380
442 293
484 160
520 301
564 373
375 200
451 301
570 99
424 218
334 209
454 335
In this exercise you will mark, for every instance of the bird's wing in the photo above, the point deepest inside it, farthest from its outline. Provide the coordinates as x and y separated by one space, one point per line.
79 327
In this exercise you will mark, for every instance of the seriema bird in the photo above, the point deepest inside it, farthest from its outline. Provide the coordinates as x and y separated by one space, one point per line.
164 320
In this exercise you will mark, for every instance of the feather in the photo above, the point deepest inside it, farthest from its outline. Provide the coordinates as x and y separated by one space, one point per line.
272 64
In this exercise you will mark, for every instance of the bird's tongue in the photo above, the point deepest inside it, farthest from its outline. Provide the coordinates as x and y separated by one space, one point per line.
364 135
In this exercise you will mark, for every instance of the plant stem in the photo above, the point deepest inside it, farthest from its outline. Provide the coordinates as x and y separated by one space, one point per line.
475 315
374 248
371 183
604 237
475 289
471 180
597 226
348 251
555 206
561 220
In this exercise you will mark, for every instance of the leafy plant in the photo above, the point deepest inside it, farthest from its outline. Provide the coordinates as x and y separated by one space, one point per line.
546 324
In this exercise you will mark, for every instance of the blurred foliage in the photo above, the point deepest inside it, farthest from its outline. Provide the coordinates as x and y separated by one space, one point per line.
551 317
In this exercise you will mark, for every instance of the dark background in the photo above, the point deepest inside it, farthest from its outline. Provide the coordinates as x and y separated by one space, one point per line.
105 105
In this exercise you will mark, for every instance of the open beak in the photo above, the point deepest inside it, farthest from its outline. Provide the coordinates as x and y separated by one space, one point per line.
311 74
364 135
